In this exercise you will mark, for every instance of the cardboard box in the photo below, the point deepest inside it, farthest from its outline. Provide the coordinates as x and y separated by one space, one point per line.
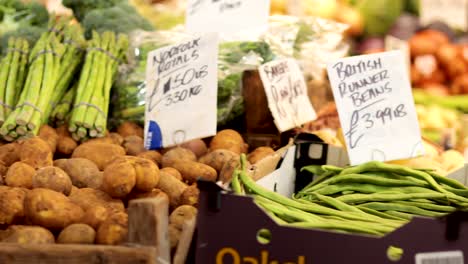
228 225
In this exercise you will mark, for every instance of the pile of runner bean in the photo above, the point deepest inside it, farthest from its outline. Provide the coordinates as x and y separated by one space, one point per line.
373 198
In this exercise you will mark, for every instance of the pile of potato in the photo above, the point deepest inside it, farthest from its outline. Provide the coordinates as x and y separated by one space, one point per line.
58 190
437 64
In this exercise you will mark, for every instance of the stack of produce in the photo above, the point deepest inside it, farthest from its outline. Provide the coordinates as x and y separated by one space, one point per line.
84 188
35 81
438 65
105 52
373 198
12 76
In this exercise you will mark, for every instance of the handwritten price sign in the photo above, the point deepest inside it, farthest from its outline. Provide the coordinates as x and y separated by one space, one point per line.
376 107
286 92
227 17
181 92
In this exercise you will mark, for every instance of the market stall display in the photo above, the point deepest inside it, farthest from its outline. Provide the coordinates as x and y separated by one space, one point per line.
77 183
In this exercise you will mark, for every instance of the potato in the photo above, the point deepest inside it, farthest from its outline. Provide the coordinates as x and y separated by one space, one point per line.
133 145
102 154
83 172
182 214
125 173
173 172
35 152
119 179
11 205
114 230
174 236
28 235
52 178
3 169
88 197
217 158
51 209
228 139
9 154
228 169
197 146
152 155
49 135
147 174
176 154
66 146
155 193
130 129
192 170
259 153
20 174
190 196
77 234
172 187
95 216
116 138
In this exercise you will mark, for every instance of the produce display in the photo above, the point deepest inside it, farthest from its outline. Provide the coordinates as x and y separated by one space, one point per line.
373 198
72 111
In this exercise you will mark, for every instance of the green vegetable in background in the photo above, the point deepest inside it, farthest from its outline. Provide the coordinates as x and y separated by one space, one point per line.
379 15
82 7
119 18
24 20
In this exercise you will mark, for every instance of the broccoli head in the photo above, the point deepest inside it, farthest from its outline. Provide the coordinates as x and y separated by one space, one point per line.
30 33
121 18
82 7
18 19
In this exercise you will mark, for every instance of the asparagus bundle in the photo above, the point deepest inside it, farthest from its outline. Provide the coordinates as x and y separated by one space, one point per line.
61 111
33 103
12 75
89 116
74 43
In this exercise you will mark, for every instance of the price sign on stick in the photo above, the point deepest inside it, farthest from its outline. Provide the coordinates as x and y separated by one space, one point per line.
376 107
181 95
227 16
286 93
452 12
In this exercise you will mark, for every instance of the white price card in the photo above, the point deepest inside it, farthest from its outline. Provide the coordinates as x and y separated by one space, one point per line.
227 17
376 107
452 12
286 93
181 95
443 257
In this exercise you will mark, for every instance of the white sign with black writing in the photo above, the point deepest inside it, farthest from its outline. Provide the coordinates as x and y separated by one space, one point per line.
452 12
181 94
286 92
376 107
227 17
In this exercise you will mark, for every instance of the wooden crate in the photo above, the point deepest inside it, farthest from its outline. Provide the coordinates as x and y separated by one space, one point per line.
148 242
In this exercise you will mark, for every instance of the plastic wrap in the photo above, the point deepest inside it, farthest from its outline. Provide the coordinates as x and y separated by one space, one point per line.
313 42
235 57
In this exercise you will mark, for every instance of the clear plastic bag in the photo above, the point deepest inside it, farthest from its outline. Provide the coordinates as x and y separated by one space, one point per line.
313 42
